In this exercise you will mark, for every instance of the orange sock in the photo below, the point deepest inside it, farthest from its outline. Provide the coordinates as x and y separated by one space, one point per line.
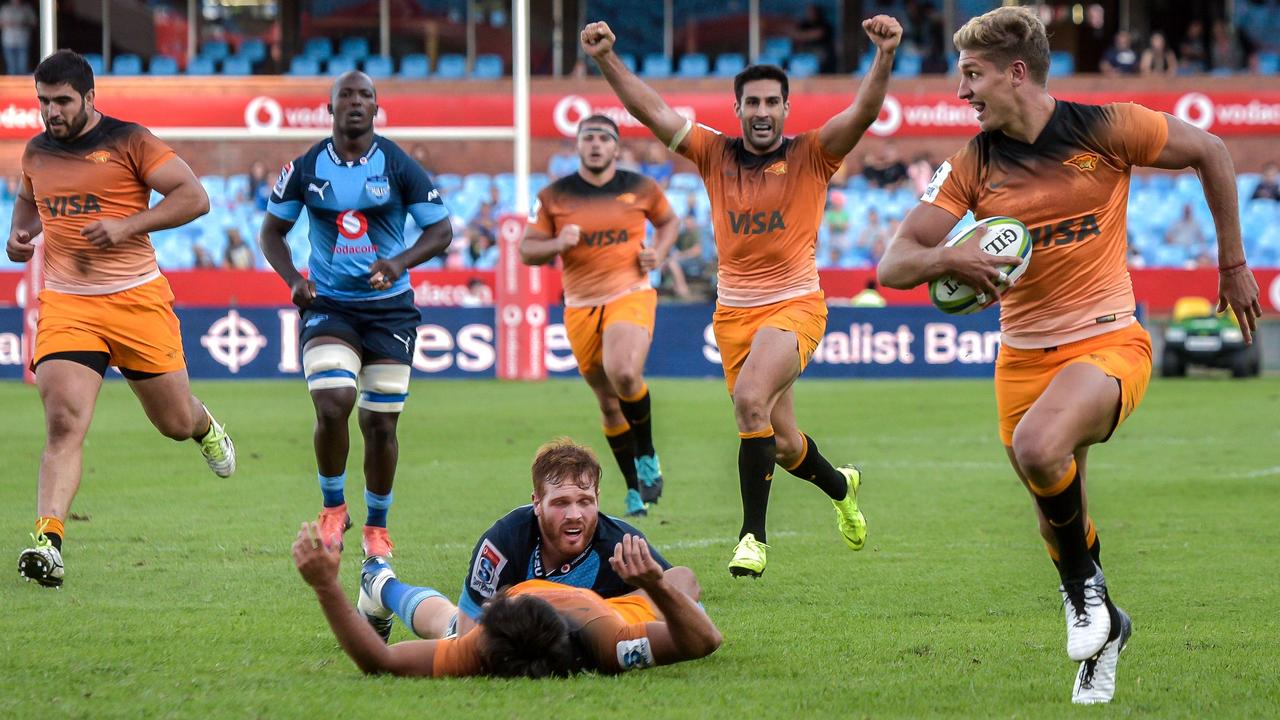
52 528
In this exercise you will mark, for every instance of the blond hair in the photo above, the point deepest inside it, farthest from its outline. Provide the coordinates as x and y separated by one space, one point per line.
563 461
1007 34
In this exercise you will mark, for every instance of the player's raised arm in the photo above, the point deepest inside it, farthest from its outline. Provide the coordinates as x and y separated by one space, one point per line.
24 226
841 133
642 101
916 255
687 633
184 201
1191 147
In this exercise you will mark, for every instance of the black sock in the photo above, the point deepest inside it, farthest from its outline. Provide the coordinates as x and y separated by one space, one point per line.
56 539
815 468
623 445
1065 514
755 476
637 413
1095 551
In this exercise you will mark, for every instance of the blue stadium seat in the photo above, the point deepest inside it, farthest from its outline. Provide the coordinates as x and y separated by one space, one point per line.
302 65
95 63
778 46
126 64
1268 63
377 66
729 64
215 50
356 48
772 58
318 48
1061 63
339 64
802 65
254 49
656 65
237 66
163 65
907 65
488 67
451 67
415 66
628 61
694 65
202 66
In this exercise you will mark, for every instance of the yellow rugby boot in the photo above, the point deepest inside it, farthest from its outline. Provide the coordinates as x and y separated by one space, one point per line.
748 557
852 524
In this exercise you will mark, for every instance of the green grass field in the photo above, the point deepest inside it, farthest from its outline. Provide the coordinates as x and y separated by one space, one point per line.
181 599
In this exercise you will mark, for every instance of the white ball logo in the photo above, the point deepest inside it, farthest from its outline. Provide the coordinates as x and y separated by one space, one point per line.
352 224
890 118
1195 109
569 112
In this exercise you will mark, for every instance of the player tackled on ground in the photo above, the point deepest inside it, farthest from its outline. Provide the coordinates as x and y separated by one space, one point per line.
561 537
533 629
767 196
87 180
1074 362
359 320
594 219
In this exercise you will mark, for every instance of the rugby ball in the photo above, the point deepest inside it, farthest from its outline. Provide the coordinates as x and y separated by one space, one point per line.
1003 236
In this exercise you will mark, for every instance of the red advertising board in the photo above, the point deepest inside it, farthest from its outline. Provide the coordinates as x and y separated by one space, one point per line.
556 114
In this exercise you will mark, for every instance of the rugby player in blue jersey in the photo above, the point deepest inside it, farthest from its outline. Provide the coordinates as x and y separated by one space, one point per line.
560 538
359 320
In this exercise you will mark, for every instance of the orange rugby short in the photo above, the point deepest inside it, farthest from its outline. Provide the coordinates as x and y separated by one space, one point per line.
736 327
136 327
586 325
1022 375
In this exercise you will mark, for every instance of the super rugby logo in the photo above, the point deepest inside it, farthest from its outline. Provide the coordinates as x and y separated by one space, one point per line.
285 173
487 569
352 224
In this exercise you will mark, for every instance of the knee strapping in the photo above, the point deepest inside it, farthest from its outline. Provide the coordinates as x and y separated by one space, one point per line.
384 387
330 366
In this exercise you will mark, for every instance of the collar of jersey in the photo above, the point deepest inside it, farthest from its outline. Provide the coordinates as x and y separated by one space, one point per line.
333 154
540 572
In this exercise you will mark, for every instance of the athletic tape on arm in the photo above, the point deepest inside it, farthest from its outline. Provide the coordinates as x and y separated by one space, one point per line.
678 137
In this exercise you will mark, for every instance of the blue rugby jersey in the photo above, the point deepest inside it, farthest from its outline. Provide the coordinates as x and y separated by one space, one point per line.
357 212
509 553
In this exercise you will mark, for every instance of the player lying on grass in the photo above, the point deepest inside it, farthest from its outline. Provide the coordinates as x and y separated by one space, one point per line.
532 629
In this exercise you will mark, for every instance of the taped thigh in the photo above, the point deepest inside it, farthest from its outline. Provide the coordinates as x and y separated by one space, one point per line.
384 387
330 366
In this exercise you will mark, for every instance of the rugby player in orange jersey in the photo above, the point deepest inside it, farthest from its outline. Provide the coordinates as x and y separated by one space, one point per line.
86 182
1074 362
532 629
767 196
594 219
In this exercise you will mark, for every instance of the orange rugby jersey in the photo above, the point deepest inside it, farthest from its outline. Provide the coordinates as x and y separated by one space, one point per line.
766 211
1071 189
605 264
609 645
97 176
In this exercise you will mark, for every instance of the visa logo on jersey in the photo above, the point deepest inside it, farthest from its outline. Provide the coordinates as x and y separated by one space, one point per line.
1066 232
747 223
71 205
600 238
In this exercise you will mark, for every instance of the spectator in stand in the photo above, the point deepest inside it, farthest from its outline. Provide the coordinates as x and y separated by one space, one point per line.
1193 57
484 250
920 172
17 20
836 219
1185 231
1158 58
478 294
1120 58
873 231
238 255
885 169
202 259
685 260
814 35
627 161
1225 52
1269 186
260 185
657 164
563 163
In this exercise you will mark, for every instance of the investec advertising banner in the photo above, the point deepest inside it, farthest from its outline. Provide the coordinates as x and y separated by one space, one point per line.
230 343
556 114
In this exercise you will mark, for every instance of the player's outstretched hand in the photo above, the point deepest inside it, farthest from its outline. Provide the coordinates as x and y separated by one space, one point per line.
633 563
597 39
1238 289
303 292
884 31
103 234
316 561
969 264
569 237
384 273
19 248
